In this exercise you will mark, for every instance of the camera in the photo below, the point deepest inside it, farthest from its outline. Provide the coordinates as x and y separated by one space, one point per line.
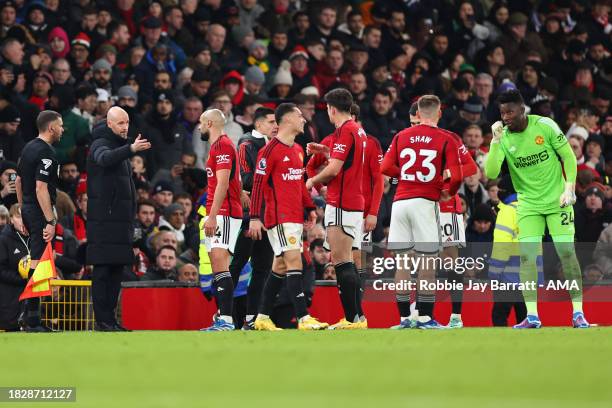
13 177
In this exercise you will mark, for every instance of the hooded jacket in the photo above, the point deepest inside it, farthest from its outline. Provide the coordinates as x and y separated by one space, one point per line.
237 99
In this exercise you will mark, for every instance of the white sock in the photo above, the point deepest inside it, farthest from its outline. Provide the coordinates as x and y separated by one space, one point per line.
455 315
249 317
404 318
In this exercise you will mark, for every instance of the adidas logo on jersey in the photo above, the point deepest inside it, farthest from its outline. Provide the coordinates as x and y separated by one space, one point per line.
286 159
17 251
300 295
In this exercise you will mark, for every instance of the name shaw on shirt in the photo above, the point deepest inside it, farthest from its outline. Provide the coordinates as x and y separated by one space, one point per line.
531 160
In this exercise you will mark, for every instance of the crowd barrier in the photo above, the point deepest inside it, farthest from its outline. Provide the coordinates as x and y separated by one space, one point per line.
69 307
172 306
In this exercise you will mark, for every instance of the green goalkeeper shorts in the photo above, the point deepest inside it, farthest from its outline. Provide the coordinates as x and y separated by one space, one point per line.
560 222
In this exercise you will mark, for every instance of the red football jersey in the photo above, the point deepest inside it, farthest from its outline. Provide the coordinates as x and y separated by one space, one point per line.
468 168
223 156
371 173
344 190
279 180
422 153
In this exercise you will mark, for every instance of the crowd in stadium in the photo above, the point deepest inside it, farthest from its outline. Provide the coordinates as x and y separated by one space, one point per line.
166 61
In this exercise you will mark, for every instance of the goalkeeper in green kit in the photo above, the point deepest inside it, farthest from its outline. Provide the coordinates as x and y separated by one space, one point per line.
532 145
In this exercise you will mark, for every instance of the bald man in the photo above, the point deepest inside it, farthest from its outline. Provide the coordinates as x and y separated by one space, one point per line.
110 212
224 212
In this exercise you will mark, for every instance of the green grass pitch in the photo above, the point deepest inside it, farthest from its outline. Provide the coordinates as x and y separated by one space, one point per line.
551 367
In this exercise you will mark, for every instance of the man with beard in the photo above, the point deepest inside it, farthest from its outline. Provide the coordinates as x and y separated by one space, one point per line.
11 142
68 178
127 99
36 192
168 137
103 75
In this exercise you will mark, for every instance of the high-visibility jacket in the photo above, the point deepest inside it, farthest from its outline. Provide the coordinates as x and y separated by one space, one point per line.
205 270
505 261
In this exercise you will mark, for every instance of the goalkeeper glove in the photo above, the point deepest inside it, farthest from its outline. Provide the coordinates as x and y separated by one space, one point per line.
498 130
568 197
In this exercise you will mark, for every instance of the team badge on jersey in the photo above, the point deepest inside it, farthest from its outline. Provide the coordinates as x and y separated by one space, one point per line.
539 140
292 240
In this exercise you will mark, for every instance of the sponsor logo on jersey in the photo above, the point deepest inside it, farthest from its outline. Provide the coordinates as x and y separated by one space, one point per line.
293 174
531 160
223 158
339 147
539 140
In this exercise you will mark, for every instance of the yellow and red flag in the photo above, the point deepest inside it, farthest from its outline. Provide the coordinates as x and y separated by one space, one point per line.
40 283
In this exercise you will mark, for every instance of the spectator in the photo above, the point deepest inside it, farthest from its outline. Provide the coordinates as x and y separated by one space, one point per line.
76 223
165 265
254 80
473 140
188 273
602 255
68 178
8 194
168 137
14 266
300 70
86 103
320 257
61 72
382 122
76 129
222 101
593 217
474 192
329 71
163 193
329 272
79 53
11 140
174 220
517 41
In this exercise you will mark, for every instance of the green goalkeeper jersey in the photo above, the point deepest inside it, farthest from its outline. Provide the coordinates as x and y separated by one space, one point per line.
533 158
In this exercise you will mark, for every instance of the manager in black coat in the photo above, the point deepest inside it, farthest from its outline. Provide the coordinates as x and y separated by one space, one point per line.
111 210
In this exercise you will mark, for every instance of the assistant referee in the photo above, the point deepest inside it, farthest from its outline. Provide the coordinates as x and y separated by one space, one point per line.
36 191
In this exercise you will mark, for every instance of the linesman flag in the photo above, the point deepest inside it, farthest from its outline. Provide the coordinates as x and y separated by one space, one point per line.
40 283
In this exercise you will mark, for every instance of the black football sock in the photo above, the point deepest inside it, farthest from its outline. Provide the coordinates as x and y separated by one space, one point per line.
361 274
32 308
225 292
295 287
425 304
347 288
403 304
456 295
271 288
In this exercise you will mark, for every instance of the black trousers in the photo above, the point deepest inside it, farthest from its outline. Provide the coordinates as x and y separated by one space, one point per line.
261 255
106 285
503 302
34 220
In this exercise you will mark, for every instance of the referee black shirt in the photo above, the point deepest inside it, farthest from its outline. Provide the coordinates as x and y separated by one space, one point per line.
38 162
